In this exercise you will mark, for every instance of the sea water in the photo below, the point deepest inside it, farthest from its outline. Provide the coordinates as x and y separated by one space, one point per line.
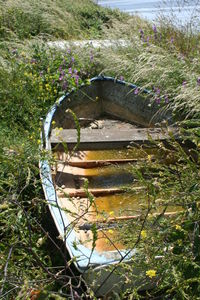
182 11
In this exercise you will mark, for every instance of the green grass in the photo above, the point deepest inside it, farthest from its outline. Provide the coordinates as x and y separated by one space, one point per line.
33 77
54 19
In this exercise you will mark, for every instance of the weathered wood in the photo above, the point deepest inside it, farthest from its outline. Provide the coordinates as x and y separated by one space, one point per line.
99 138
86 164
101 223
96 192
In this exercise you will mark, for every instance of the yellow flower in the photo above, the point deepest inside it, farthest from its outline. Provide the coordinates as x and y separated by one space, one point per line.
151 273
111 213
53 122
178 227
110 231
39 142
143 234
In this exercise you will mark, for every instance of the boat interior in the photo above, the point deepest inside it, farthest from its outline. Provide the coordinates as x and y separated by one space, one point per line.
99 136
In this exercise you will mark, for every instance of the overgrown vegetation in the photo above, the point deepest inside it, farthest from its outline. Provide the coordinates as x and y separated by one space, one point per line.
61 19
160 58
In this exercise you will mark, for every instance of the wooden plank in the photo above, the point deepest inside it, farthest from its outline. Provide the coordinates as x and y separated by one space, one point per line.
96 192
108 221
86 164
112 135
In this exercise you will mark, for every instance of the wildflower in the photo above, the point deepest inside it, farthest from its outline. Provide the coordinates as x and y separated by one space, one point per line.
143 234
53 122
158 91
184 83
158 100
64 87
148 38
76 79
198 81
136 91
38 142
33 61
166 99
110 231
141 33
73 59
61 77
111 213
121 78
91 56
14 51
172 40
149 157
154 28
151 273
178 227
70 71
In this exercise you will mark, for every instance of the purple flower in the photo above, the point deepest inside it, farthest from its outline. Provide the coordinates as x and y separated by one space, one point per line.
70 71
158 91
184 83
91 56
121 78
136 91
75 71
154 28
41 73
68 51
64 86
76 79
141 33
166 99
198 81
172 40
14 51
61 77
158 100
60 68
33 61
73 59
64 62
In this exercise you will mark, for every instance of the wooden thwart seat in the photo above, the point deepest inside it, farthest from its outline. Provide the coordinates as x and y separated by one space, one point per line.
97 138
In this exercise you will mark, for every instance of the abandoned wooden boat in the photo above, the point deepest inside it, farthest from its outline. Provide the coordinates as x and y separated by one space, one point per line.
111 116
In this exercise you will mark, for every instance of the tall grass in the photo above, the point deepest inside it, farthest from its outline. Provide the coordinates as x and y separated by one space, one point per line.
50 19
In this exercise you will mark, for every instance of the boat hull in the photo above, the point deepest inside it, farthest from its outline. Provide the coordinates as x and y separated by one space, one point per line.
104 95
